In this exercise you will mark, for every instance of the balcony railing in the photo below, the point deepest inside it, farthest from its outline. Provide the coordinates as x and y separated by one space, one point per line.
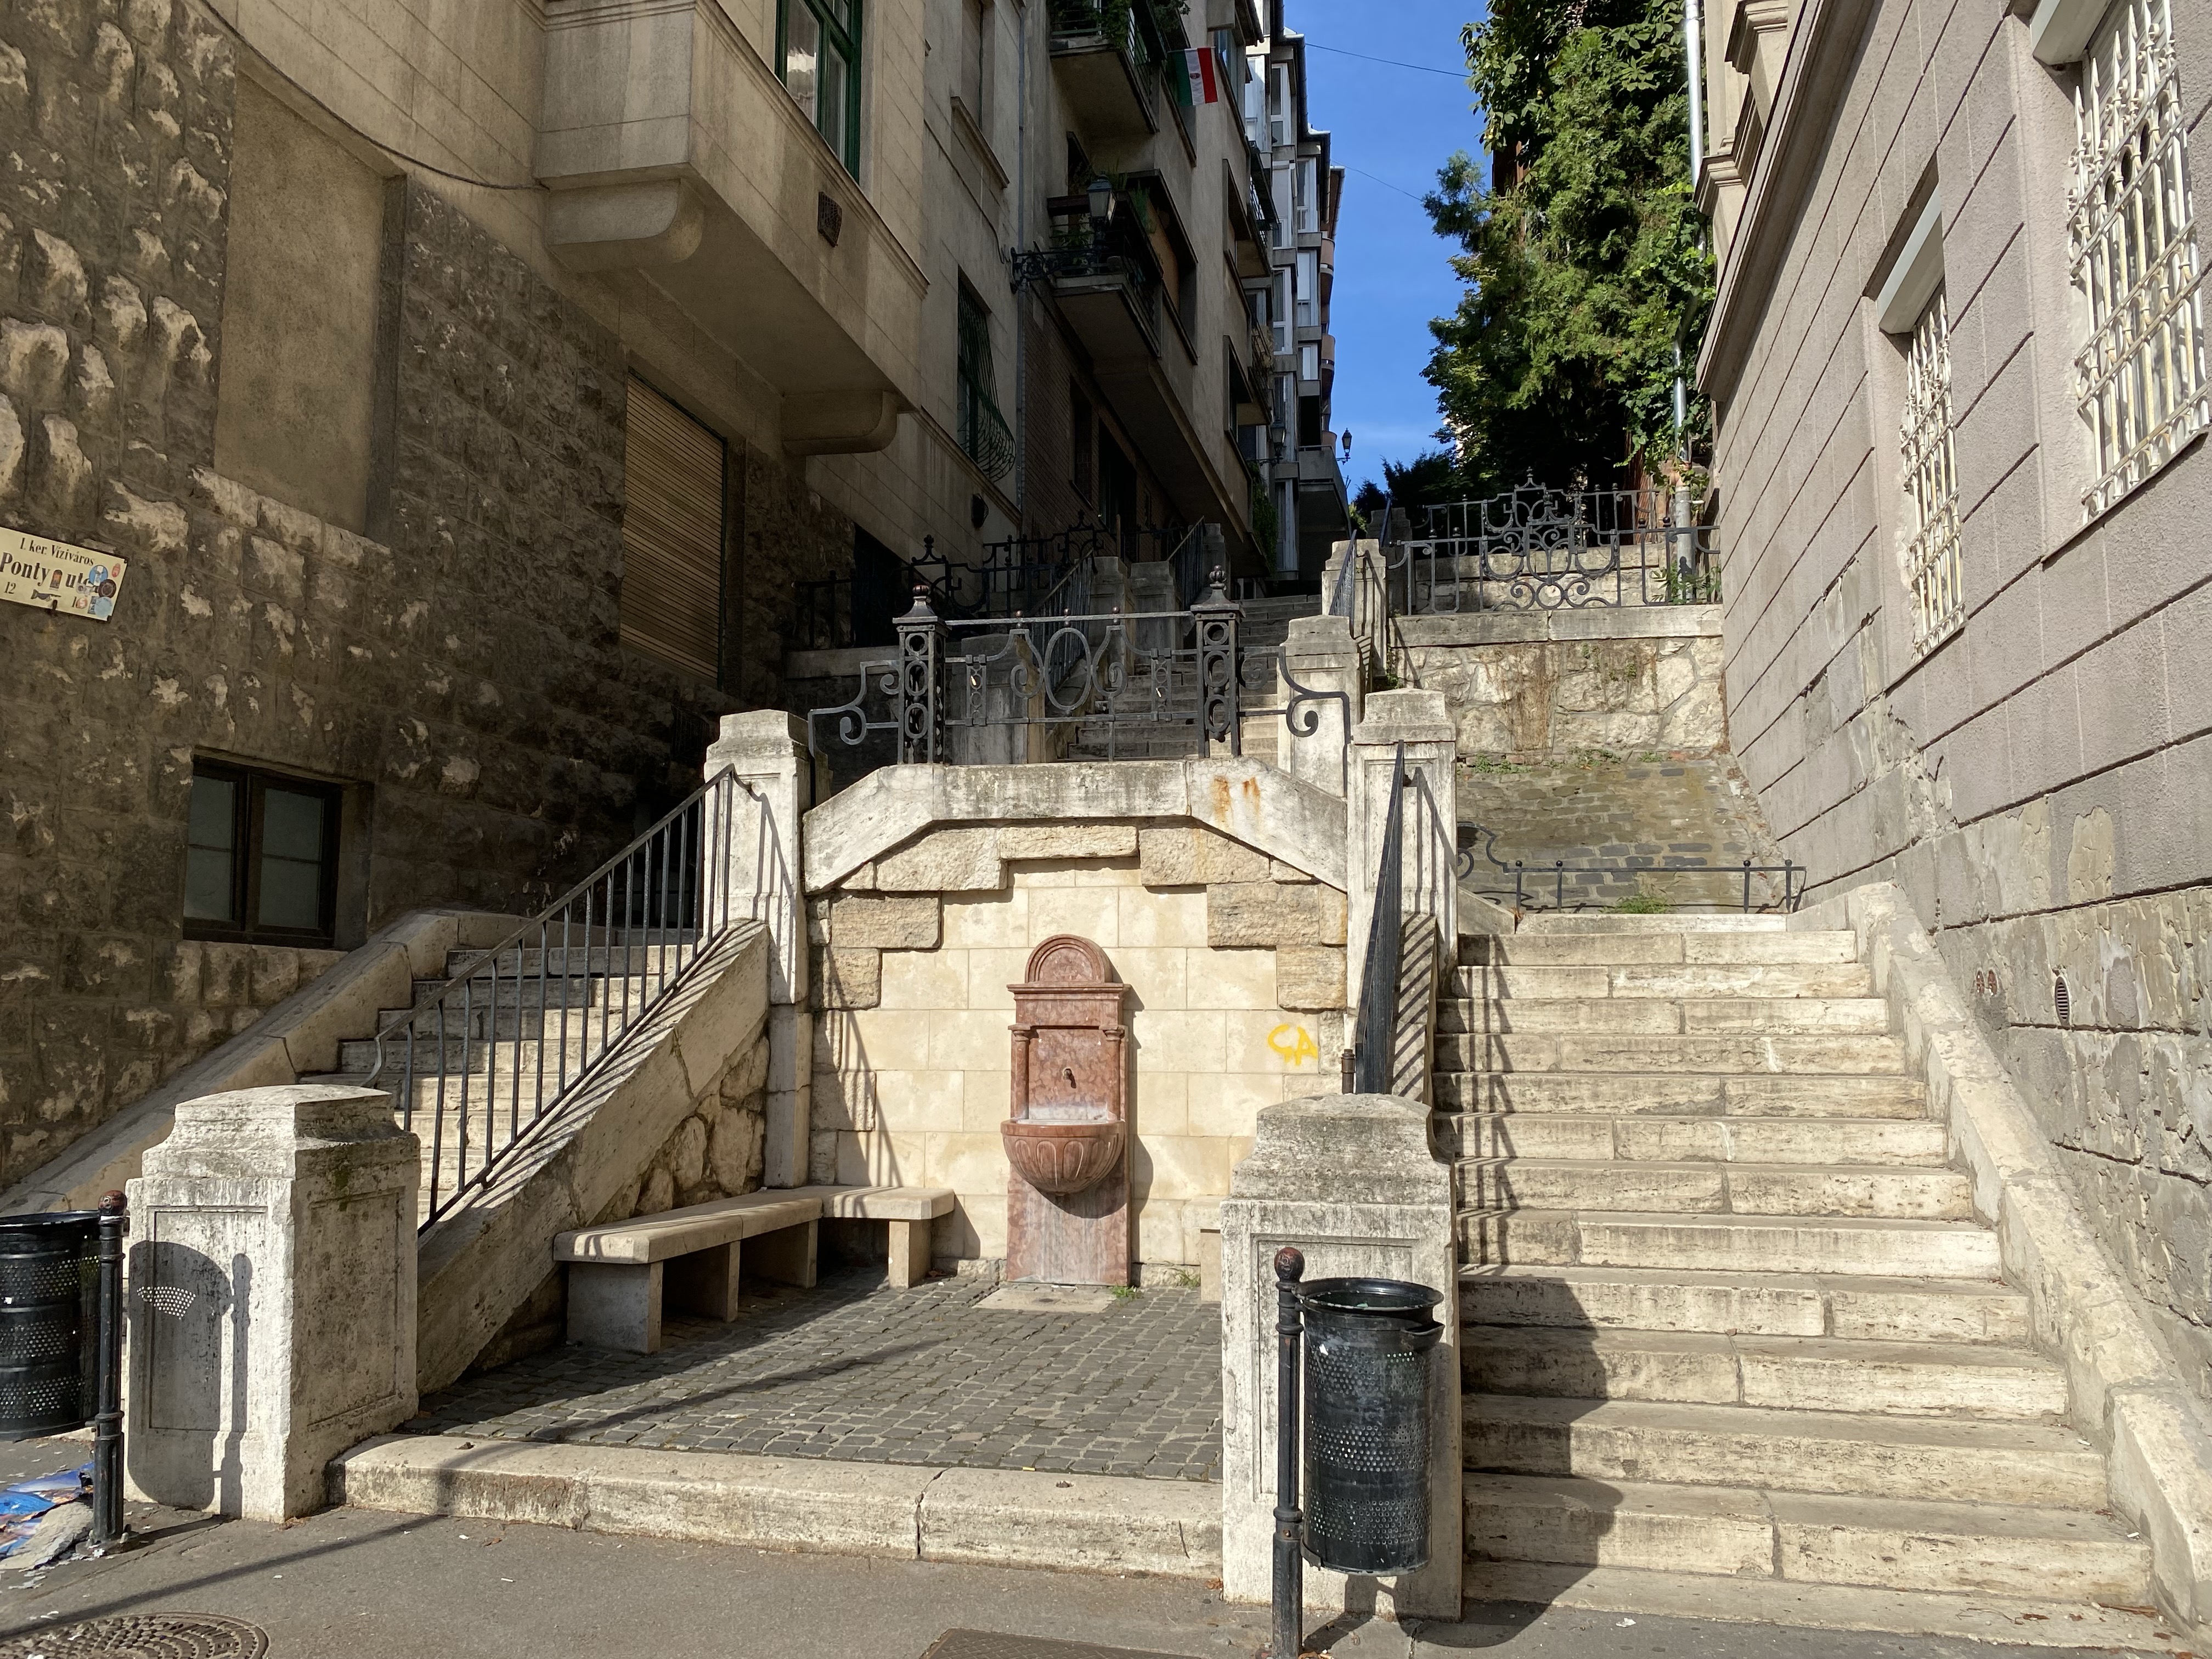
985 438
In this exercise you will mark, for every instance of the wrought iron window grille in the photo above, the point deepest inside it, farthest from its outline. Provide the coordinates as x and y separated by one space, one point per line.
2140 375
1930 554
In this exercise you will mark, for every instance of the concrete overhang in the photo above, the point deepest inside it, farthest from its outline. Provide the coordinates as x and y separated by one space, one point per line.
678 160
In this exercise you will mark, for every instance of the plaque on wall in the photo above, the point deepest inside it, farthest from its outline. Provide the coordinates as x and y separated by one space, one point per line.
51 575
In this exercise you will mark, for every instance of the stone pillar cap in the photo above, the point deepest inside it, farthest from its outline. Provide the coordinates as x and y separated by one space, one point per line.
761 732
1408 716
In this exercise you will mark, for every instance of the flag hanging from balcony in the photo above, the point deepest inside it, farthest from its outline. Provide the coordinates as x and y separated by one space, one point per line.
1194 76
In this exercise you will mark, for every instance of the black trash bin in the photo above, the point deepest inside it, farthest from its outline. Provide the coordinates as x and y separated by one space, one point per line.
1368 1373
49 1322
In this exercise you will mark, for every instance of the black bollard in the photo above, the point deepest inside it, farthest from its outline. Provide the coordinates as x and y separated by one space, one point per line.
1290 1520
108 1423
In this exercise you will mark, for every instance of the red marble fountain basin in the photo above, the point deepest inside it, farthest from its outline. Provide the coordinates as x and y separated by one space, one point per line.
1061 1158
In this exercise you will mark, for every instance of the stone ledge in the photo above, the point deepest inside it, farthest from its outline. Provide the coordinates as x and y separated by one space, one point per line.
1245 800
998 1517
1627 622
2157 1442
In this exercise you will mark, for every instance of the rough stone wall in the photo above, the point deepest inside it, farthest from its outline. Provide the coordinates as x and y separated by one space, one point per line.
1539 686
462 674
1235 965
2037 783
790 535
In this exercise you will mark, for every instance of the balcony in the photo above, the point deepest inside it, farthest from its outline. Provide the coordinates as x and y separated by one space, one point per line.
1105 53
682 173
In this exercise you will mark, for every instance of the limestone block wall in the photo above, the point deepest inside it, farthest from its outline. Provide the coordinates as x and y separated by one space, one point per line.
1541 686
1236 966
2036 782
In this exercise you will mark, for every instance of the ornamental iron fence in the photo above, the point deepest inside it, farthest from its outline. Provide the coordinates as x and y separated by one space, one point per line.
1110 684
1539 549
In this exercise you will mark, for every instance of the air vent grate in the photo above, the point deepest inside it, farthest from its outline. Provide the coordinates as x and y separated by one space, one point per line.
2063 1000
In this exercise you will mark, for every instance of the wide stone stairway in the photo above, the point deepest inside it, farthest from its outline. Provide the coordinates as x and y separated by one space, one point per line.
1727 1313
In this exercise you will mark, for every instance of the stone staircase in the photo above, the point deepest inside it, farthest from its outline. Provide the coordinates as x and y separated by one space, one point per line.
474 1093
1727 1313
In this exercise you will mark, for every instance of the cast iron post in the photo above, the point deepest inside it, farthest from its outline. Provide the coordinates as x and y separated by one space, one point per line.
108 1423
1290 1520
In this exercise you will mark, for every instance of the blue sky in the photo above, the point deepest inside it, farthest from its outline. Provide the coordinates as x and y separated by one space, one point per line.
1397 125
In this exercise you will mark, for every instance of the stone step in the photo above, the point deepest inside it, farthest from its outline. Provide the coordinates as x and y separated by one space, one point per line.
1553 921
1916 1142
1835 979
2011 1621
1820 1538
1740 1243
1780 1373
1823 1191
357 1056
1798 1095
1858 1454
1845 1057
1665 1016
485 1091
553 992
1644 949
657 955
1870 1308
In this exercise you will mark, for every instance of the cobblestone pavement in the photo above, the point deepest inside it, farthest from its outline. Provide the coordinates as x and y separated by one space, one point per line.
857 1371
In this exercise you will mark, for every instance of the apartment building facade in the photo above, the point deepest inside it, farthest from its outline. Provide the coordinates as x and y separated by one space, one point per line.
1305 477
438 418
1961 393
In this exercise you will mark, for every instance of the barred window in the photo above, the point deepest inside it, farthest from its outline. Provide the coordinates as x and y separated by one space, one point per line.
2140 376
984 436
1931 483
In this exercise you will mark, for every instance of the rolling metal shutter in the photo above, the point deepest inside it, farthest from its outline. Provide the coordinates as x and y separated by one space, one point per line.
671 582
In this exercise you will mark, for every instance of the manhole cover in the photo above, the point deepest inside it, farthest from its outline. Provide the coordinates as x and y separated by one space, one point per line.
1000 1644
142 1636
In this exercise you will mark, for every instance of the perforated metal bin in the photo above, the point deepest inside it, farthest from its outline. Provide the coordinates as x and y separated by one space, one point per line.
1370 1366
49 1316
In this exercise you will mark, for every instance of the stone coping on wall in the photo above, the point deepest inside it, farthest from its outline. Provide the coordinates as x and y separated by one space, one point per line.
2125 1385
1625 622
299 1035
1267 809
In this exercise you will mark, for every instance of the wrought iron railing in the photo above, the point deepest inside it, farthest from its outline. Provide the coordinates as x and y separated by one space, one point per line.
1583 883
1538 548
491 1053
862 609
1004 691
985 438
1375 1022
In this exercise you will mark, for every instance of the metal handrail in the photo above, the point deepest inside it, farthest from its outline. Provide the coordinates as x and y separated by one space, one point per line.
674 905
1375 1023
1795 876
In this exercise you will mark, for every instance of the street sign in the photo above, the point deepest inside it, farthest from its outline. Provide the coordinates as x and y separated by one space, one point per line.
51 575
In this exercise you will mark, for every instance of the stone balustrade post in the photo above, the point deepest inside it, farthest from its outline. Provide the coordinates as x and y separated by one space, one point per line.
272 1296
762 881
1420 720
1320 655
1353 1183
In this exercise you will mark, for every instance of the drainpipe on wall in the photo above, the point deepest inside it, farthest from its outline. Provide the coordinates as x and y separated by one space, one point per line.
1021 290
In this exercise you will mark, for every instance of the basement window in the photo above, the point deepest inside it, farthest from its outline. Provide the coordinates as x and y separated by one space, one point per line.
260 857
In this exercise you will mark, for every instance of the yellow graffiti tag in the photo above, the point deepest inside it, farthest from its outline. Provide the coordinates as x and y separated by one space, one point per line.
1294 1043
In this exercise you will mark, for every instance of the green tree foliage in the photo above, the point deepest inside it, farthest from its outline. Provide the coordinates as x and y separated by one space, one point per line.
1583 260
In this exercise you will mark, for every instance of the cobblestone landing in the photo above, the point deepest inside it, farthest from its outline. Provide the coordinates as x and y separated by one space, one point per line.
855 1370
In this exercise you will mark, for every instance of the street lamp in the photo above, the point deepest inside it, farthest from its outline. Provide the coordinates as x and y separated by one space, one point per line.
1101 204
1278 439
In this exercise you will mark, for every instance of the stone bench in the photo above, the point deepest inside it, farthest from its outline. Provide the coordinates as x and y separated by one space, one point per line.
908 1212
621 1275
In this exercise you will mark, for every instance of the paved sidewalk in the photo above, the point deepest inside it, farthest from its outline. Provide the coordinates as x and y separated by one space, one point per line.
857 1371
